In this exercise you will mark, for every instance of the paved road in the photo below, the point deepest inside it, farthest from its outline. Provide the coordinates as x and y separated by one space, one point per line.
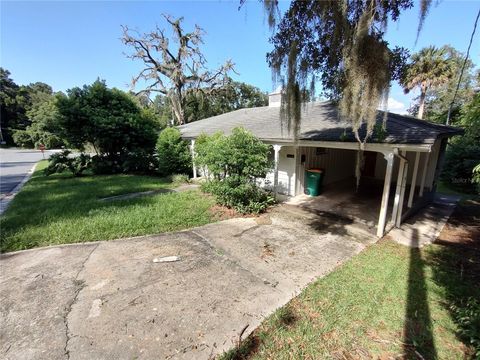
15 164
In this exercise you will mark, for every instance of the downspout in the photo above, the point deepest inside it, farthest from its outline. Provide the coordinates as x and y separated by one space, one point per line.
400 192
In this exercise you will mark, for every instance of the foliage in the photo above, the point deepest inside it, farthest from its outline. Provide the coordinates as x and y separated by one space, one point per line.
463 154
17 104
234 192
108 119
64 161
43 127
341 43
235 162
439 98
233 96
174 70
61 209
431 67
179 179
174 156
467 315
476 176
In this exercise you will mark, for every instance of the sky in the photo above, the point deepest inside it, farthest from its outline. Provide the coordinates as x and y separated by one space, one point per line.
72 43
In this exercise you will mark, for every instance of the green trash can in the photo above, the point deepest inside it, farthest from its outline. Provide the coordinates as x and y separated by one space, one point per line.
313 181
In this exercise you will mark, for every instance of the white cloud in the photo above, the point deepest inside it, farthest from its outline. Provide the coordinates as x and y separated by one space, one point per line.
396 106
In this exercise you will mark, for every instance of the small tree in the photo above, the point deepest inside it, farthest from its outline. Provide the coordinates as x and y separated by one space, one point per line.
235 161
430 67
112 123
173 153
174 70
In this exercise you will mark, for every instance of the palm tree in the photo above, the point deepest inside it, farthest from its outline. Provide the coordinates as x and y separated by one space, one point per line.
430 67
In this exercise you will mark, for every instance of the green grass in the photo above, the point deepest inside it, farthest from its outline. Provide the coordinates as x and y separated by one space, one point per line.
60 209
388 302
448 189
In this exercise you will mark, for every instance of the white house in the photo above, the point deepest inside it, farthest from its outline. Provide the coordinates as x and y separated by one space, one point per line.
403 166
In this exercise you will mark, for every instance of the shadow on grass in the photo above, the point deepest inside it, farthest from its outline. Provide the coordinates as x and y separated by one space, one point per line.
456 268
417 333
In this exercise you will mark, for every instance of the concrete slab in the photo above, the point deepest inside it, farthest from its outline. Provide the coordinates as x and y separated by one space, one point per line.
424 227
109 300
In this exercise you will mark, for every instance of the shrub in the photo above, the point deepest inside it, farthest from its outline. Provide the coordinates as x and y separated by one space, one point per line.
235 162
467 314
179 179
111 122
463 154
242 196
62 161
174 156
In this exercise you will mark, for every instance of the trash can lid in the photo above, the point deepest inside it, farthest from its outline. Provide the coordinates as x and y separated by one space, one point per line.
316 170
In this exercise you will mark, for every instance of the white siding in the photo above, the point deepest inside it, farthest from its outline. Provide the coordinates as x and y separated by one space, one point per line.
286 172
338 164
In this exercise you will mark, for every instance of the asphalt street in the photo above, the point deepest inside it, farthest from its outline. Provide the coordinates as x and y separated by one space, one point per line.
15 164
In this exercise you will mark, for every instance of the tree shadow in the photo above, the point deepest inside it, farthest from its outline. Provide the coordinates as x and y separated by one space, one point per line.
456 269
417 333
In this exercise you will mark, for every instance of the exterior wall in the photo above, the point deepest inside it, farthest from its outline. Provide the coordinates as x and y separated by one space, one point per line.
339 164
286 172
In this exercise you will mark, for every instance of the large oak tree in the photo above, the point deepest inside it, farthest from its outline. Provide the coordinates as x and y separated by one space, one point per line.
174 66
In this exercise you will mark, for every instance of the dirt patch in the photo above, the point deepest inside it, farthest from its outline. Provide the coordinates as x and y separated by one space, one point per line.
463 228
220 213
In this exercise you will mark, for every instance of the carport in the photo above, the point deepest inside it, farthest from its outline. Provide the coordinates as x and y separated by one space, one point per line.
399 172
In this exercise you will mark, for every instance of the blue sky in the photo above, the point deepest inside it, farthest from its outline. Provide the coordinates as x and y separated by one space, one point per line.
66 43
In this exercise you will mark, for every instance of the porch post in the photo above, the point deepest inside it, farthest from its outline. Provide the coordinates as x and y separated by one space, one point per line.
276 149
424 173
386 193
192 149
414 180
402 192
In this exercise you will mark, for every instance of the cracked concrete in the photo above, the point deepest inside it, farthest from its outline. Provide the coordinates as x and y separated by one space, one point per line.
109 300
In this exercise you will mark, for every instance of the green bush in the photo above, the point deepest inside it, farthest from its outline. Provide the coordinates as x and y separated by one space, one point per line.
467 315
174 156
244 197
235 163
179 179
63 161
111 121
463 154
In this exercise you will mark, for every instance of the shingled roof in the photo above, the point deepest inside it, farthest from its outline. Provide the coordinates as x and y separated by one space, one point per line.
320 122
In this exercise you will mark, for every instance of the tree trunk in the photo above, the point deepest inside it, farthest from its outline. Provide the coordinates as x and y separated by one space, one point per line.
177 109
423 95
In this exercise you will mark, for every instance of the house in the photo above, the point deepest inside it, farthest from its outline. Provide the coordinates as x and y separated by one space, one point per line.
401 167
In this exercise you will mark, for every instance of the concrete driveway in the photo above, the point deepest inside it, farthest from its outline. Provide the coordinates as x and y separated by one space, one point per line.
110 300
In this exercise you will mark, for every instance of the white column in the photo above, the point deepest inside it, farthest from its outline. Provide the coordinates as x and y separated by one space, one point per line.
402 192
398 190
386 193
192 149
276 149
424 173
413 183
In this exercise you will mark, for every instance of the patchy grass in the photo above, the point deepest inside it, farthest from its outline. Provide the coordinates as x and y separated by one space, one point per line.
450 189
60 209
388 302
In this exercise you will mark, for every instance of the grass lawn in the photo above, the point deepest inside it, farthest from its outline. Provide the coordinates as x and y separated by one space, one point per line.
390 302
60 209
